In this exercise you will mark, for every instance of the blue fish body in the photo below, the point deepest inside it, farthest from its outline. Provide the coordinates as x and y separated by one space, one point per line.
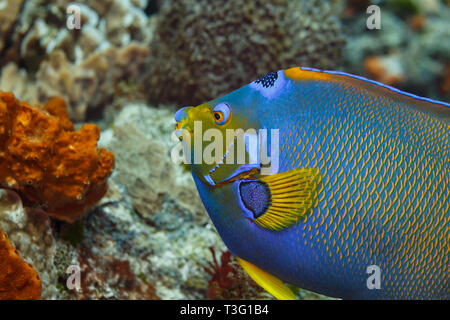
383 197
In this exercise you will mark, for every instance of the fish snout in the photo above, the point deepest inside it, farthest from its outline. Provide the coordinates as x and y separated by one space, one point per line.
181 114
185 117
181 118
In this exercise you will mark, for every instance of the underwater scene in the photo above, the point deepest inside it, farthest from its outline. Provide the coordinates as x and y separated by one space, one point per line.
224 150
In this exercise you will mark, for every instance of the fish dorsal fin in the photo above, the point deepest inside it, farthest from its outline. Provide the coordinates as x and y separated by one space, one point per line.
377 89
270 283
279 200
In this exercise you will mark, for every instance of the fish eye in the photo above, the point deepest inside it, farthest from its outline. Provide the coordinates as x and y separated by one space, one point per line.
221 113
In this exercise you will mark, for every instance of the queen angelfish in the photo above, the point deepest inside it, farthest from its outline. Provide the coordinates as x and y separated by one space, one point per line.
352 198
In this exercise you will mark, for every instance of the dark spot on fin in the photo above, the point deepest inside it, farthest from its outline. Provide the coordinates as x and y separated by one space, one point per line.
291 195
268 80
256 196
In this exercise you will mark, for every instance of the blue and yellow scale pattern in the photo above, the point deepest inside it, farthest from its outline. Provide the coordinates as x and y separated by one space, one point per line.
383 158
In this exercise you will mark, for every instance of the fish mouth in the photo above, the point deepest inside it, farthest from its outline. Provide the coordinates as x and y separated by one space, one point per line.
227 152
242 170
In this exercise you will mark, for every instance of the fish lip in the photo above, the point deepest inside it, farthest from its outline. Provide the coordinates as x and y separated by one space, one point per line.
224 156
227 152
247 168
209 180
181 128
240 170
178 132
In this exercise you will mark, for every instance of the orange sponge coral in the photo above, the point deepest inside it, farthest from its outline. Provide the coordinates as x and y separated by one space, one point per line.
47 162
18 279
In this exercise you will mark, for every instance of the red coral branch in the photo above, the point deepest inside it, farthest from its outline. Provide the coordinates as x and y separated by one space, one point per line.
228 280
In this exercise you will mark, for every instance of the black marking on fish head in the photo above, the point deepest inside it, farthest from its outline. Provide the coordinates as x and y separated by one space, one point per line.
268 80
271 85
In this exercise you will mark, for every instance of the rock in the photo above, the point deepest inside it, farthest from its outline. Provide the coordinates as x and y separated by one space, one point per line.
141 139
158 258
206 49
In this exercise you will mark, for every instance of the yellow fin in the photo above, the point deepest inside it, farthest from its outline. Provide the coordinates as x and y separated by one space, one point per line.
292 194
270 283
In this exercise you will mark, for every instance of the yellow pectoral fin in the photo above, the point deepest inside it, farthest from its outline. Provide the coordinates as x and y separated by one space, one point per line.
271 284
292 194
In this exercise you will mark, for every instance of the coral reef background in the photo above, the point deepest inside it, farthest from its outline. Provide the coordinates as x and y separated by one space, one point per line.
86 121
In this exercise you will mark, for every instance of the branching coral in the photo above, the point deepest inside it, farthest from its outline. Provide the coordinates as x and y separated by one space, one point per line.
9 11
90 68
18 279
50 165
95 83
40 28
202 49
